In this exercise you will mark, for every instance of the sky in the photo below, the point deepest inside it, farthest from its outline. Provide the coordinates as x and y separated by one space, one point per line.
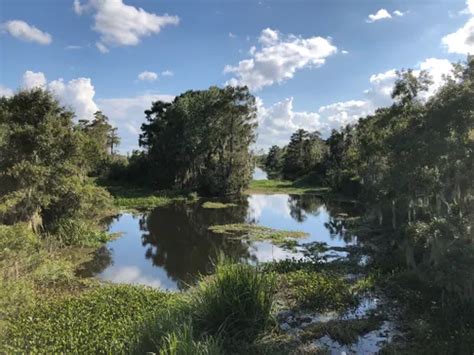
316 64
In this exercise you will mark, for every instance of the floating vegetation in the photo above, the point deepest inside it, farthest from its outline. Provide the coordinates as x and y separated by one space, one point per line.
217 205
254 232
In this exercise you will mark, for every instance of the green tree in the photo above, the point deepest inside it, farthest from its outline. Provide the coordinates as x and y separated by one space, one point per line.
201 140
41 164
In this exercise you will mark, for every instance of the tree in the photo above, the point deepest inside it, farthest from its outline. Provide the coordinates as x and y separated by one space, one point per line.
201 140
41 161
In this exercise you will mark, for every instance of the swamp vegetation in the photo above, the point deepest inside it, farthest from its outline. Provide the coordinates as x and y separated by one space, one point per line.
393 194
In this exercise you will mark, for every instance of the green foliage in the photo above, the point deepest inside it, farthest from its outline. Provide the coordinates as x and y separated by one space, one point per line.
105 320
42 169
54 271
282 186
201 141
316 291
234 303
79 232
182 342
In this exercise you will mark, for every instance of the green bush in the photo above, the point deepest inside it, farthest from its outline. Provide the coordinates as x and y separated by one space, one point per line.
52 272
234 303
104 320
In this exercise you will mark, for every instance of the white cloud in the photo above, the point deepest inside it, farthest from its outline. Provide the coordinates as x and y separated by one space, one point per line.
78 94
167 73
22 30
123 25
232 35
344 51
379 15
127 113
101 47
4 91
398 13
462 41
279 58
147 76
33 80
278 121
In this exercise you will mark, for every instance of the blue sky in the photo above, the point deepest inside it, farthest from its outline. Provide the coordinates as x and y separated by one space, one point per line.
312 64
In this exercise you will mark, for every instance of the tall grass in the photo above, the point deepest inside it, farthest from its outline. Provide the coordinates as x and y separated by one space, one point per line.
234 303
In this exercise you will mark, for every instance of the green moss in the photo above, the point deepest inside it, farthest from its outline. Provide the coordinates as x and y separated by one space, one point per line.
254 232
342 331
217 205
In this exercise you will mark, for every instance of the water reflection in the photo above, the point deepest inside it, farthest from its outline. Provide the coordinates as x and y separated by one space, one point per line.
171 245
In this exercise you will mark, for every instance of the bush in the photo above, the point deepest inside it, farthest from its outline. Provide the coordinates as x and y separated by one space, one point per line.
52 272
234 303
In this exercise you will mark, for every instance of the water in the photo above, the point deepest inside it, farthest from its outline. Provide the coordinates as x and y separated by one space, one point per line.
259 174
168 247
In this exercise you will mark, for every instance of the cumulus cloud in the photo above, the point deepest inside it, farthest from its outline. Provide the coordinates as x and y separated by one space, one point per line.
379 15
33 80
462 41
278 121
122 25
278 58
22 30
383 14
147 76
78 94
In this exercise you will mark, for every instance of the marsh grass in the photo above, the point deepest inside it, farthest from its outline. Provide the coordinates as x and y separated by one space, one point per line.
316 291
255 232
235 303
143 199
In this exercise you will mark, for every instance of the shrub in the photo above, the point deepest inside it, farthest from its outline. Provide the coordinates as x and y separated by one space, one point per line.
234 303
52 272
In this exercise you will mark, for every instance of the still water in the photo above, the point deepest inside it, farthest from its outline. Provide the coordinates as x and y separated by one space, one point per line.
168 247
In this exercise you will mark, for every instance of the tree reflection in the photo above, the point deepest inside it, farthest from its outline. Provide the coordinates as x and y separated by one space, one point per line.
178 238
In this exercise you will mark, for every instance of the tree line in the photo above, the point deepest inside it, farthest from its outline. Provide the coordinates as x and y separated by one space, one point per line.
412 166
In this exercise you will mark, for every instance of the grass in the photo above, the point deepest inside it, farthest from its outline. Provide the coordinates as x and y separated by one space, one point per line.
217 205
315 291
254 232
343 331
142 199
234 303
